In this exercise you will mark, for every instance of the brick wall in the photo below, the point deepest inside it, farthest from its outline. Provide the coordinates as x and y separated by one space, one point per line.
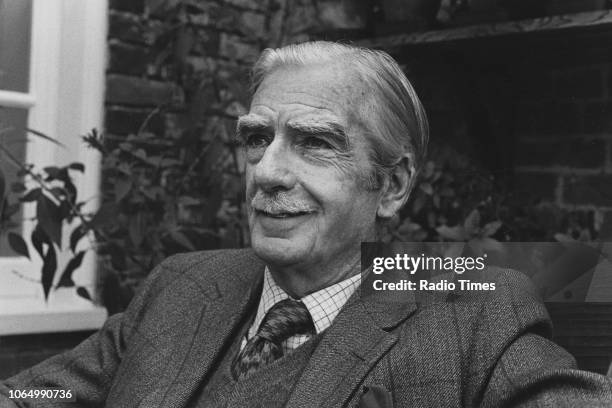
564 138
227 32
230 33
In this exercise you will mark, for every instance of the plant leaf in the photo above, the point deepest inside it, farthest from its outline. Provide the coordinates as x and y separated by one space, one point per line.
10 209
104 216
117 255
58 193
43 136
31 195
169 162
136 229
82 292
182 240
427 188
77 166
214 153
2 187
122 188
52 172
39 238
419 203
18 187
71 190
140 153
472 222
491 228
447 192
48 270
429 168
436 200
565 238
49 218
76 235
456 233
73 264
188 201
480 245
18 244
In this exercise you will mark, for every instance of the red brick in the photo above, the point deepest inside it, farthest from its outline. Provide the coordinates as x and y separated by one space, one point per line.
132 6
526 117
302 19
234 48
252 24
569 118
121 89
123 121
585 82
176 124
534 83
598 117
248 4
547 118
127 59
131 28
576 153
531 187
344 15
205 42
592 190
248 23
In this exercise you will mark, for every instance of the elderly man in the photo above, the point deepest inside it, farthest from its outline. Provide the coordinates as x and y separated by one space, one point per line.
333 140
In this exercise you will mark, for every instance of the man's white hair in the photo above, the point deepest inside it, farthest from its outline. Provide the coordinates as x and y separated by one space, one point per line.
397 128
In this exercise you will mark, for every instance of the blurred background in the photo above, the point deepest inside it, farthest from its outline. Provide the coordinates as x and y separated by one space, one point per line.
117 132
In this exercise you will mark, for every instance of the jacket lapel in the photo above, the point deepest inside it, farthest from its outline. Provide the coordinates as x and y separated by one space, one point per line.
218 322
353 344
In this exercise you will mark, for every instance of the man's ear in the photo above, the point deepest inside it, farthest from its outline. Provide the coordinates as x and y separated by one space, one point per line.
396 187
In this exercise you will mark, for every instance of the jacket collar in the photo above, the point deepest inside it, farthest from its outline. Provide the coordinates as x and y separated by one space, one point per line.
359 337
232 292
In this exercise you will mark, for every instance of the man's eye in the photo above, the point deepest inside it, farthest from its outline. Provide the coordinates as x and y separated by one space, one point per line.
316 143
257 140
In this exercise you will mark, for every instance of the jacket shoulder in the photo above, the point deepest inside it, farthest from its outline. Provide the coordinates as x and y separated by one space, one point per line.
202 269
207 265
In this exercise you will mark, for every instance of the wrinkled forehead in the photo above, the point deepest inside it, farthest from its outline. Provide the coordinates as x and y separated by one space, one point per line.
335 86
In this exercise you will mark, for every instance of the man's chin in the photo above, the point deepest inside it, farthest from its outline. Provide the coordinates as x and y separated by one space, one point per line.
278 251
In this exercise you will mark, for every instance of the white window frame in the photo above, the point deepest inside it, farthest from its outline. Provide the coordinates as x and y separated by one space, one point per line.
65 99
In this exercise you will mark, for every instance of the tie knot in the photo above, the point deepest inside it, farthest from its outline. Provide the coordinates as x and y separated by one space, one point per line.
285 319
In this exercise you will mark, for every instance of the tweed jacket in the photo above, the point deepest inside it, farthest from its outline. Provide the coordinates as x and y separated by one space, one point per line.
445 351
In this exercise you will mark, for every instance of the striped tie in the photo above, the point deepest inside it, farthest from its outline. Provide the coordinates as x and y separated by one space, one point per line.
285 319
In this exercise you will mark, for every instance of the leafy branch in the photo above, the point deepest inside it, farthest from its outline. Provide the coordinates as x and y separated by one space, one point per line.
55 197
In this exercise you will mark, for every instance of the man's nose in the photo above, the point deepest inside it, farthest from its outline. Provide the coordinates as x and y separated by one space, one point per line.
275 169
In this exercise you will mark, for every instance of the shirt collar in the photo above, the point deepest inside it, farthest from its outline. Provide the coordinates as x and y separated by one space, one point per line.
323 305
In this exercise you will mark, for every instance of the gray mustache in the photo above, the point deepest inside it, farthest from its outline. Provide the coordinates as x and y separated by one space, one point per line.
279 202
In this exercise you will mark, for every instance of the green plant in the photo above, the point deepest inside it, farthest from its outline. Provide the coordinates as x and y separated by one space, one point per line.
55 197
452 200
162 192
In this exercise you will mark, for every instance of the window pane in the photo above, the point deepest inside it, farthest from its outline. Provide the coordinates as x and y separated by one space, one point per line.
15 24
12 137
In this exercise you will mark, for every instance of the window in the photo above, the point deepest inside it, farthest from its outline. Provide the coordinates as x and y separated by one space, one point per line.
52 62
